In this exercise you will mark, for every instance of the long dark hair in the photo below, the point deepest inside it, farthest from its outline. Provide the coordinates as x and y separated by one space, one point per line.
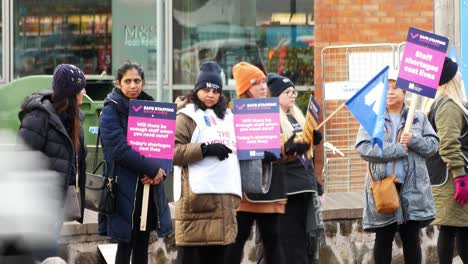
219 108
70 109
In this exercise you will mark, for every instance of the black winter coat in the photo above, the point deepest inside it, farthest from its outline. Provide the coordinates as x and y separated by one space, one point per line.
42 130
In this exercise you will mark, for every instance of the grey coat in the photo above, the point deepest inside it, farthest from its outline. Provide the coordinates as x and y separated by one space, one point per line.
416 201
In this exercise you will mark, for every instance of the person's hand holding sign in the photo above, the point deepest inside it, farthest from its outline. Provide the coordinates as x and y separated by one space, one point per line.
405 139
156 180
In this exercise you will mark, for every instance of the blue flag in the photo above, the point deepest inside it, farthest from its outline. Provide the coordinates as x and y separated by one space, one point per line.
368 106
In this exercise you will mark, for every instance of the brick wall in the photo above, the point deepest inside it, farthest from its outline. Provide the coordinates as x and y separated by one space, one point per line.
344 22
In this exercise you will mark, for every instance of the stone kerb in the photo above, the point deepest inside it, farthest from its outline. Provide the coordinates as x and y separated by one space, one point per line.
346 242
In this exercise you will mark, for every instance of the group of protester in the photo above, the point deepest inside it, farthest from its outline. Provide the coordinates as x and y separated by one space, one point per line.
214 217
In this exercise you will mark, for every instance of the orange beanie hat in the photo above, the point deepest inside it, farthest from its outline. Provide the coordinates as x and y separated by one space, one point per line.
245 75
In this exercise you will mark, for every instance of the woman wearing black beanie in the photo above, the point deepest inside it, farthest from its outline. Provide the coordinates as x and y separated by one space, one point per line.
207 184
448 169
299 234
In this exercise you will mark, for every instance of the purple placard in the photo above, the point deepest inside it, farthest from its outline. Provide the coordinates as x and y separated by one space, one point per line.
151 130
422 62
257 127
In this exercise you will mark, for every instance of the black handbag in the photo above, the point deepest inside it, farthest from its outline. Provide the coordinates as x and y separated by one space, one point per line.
101 188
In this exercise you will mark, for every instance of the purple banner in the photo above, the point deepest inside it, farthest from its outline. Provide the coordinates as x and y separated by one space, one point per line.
422 62
257 127
151 130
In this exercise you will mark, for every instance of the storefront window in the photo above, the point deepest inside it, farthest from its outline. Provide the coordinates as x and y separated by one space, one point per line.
47 33
275 35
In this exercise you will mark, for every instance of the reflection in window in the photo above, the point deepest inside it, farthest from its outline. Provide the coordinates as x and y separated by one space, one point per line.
277 35
77 32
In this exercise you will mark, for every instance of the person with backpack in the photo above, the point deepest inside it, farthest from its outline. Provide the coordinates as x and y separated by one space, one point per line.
448 168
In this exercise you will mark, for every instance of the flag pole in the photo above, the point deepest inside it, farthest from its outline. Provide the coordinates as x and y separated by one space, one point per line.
330 116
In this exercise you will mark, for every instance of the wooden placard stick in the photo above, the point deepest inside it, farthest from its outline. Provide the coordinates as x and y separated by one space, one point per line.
144 207
413 102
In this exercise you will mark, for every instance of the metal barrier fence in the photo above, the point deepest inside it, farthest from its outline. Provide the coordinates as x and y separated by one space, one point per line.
345 69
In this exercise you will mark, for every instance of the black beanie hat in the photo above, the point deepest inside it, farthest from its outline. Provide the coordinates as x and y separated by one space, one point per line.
277 84
448 71
209 76
68 80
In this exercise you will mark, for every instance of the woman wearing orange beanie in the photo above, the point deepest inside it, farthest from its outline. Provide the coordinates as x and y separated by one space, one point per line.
265 209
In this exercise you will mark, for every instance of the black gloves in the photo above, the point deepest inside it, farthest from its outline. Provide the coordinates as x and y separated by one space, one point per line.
317 137
319 189
217 149
299 148
269 156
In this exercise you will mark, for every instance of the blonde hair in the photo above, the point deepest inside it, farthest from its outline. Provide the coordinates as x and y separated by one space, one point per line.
286 127
452 90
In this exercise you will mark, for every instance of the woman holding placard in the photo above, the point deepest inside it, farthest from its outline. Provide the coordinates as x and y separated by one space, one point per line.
264 209
300 234
207 185
399 162
132 171
448 169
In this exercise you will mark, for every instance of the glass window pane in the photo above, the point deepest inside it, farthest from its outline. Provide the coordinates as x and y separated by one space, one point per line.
286 36
54 32
274 34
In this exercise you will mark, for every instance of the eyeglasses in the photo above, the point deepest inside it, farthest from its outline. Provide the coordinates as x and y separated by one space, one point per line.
292 93
256 82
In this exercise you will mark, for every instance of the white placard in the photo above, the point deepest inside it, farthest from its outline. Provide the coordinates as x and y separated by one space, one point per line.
108 251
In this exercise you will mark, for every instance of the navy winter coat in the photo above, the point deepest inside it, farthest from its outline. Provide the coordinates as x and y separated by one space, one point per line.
130 166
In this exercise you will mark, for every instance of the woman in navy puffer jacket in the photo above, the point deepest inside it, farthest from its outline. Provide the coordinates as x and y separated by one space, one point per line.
133 171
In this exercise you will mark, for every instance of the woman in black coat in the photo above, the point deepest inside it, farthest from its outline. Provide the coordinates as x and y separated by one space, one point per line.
51 122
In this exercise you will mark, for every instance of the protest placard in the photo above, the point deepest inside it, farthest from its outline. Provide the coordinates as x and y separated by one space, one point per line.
312 118
257 127
151 130
422 62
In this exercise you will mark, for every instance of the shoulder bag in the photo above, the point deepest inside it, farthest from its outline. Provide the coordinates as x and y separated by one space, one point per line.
385 194
72 208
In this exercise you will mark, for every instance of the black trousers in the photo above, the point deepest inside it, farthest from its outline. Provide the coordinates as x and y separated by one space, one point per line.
137 247
268 224
446 242
409 233
293 229
201 255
